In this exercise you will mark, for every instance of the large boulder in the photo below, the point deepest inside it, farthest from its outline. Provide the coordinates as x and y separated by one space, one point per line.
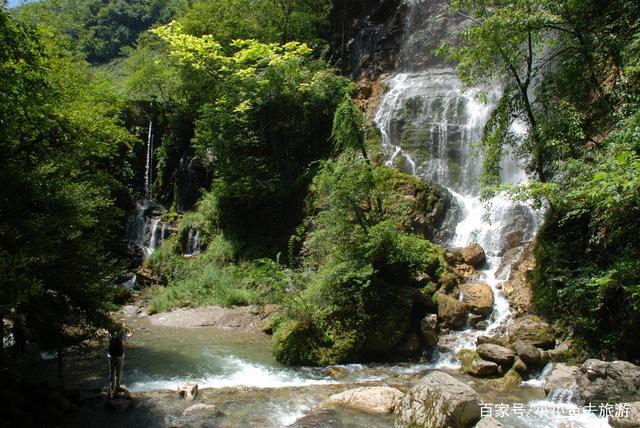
452 313
473 255
533 330
474 365
609 382
496 353
626 415
478 297
491 339
439 401
528 353
378 400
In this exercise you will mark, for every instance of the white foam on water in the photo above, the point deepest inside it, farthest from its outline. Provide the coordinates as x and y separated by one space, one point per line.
546 414
240 373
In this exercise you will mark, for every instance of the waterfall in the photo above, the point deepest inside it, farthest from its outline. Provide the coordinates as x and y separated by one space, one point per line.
430 128
193 243
148 169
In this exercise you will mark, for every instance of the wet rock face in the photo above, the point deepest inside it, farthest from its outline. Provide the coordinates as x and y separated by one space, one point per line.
597 382
439 401
377 400
318 418
367 35
562 377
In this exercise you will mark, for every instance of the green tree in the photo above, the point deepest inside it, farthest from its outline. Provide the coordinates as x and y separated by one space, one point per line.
517 43
266 122
59 141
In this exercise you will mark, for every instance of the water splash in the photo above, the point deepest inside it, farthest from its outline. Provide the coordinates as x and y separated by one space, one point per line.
237 372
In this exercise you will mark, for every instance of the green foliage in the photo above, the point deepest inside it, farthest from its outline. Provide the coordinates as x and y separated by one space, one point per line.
101 29
348 127
216 276
363 269
264 125
60 169
266 20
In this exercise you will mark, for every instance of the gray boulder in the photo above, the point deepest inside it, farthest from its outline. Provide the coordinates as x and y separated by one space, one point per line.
439 401
452 313
562 377
528 353
489 422
533 330
496 353
378 400
626 415
474 365
480 340
609 382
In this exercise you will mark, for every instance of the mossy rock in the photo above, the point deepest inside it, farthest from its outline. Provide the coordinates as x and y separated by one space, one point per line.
532 329
422 204
510 381
452 313
474 365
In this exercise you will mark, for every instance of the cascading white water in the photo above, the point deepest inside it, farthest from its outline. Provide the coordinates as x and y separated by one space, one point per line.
193 243
148 169
430 128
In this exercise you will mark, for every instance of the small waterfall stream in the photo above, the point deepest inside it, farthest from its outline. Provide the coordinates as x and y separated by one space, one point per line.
148 168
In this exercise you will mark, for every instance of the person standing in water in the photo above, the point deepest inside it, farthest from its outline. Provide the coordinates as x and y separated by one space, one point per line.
117 337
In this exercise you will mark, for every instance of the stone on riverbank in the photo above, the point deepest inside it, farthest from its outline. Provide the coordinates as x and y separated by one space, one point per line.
509 382
474 365
377 400
562 377
439 401
609 382
496 353
489 422
528 353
